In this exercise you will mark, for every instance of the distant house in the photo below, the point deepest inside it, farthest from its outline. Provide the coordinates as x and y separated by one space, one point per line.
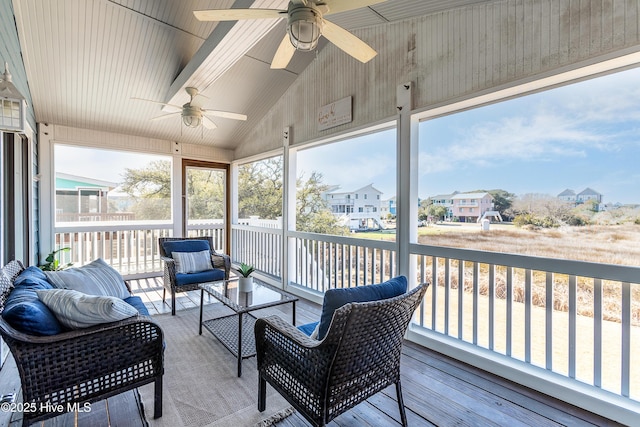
388 207
358 209
567 196
445 200
468 207
79 198
588 194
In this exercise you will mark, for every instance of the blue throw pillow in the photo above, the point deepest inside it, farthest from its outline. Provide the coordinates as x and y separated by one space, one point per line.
336 298
24 311
138 304
185 246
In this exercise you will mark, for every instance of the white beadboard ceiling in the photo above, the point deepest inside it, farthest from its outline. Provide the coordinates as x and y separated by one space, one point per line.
86 59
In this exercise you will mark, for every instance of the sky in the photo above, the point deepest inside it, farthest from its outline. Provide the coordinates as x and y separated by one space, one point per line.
581 135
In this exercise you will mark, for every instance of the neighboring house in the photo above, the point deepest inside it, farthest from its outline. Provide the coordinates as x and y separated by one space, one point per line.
588 194
388 207
567 196
79 198
358 209
445 200
468 207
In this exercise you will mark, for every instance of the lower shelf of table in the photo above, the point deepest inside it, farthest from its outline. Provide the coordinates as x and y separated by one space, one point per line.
225 329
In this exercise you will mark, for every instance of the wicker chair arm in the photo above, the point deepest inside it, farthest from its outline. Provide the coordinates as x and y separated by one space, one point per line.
221 261
8 331
289 333
167 259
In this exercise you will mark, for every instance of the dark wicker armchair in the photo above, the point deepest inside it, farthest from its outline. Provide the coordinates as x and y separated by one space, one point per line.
84 365
359 356
173 283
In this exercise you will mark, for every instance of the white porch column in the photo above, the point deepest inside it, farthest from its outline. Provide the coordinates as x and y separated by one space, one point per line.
407 182
177 198
289 157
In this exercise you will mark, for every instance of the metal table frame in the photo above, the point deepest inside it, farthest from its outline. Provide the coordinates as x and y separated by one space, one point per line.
226 328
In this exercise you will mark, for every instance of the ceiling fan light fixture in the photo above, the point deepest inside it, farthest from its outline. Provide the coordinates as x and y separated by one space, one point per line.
191 116
304 28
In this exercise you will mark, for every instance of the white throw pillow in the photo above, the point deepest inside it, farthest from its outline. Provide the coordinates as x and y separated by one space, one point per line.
192 262
95 278
76 310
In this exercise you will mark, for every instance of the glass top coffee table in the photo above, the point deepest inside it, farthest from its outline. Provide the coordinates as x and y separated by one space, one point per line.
235 331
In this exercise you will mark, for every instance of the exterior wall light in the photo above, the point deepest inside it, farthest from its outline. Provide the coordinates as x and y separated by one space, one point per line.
12 105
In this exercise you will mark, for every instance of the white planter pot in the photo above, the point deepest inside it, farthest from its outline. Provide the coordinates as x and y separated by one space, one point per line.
245 284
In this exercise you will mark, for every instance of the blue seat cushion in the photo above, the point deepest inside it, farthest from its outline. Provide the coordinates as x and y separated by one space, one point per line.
201 277
24 310
308 328
336 298
185 246
137 303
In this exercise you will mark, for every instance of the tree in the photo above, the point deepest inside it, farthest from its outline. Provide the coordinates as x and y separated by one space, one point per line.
542 210
502 200
260 189
312 213
205 191
438 212
260 186
150 188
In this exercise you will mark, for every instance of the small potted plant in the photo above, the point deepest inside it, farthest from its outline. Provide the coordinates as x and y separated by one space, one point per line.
52 263
245 283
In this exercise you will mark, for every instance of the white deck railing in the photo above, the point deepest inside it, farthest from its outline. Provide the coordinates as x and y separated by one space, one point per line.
570 318
132 249
578 320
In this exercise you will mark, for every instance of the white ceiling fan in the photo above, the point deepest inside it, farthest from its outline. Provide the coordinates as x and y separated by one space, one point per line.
193 115
304 27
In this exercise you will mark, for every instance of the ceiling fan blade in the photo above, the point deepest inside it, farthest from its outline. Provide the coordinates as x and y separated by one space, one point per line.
348 42
225 114
207 123
283 54
165 116
238 14
177 107
337 6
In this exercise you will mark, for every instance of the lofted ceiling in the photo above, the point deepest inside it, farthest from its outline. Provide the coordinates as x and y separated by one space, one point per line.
86 60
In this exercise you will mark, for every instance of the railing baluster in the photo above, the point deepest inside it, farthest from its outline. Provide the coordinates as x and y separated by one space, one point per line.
491 296
476 298
597 332
626 339
573 317
509 319
434 292
548 327
527 314
460 299
447 294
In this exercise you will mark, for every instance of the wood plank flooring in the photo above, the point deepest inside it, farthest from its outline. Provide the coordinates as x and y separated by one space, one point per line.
437 390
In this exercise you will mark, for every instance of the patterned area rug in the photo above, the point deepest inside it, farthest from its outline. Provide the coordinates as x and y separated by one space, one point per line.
201 386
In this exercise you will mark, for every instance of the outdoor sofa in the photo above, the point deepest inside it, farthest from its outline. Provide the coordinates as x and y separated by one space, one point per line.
61 367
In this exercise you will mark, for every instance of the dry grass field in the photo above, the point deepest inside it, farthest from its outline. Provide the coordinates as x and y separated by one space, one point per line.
608 244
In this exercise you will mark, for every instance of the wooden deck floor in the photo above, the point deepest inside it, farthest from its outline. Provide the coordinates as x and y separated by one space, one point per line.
437 390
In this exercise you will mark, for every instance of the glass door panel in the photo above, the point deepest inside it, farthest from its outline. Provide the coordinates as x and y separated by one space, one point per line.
205 201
